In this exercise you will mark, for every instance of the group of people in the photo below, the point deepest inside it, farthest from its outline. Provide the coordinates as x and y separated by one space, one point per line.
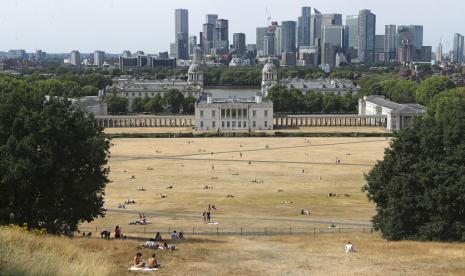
150 263
207 214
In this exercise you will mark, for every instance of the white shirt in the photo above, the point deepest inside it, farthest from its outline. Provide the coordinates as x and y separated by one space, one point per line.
349 248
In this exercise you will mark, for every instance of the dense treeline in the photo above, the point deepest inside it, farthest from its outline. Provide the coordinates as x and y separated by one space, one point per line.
294 101
172 102
418 188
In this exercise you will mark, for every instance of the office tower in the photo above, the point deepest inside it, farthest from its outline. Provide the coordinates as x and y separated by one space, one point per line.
405 52
75 58
332 19
261 33
278 41
182 33
208 37
328 54
211 18
303 28
366 39
390 42
352 31
333 35
458 49
221 34
379 49
289 59
17 54
99 58
192 44
439 53
412 34
200 42
316 20
288 36
239 43
40 55
269 44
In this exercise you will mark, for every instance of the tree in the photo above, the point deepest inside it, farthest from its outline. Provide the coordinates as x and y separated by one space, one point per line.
52 163
399 91
116 104
431 87
154 105
138 105
189 104
313 102
419 187
174 99
89 90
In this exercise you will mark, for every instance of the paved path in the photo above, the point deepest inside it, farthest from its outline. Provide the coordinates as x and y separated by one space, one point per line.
349 223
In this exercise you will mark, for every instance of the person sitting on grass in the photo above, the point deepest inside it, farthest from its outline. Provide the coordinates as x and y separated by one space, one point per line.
158 237
117 232
152 262
349 248
174 235
138 261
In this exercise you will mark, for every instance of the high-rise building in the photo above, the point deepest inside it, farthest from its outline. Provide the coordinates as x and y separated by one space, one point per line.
192 44
260 37
211 18
278 41
390 42
379 49
303 28
182 21
366 39
439 53
333 35
411 34
239 43
17 54
288 36
182 34
75 58
316 21
328 54
208 37
269 44
458 49
99 58
352 31
221 34
332 19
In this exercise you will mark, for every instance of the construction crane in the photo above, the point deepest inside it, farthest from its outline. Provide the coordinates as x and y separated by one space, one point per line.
269 15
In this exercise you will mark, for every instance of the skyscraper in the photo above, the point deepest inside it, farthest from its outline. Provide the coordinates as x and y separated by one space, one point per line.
239 43
182 33
366 39
221 34
208 37
316 21
458 49
269 44
439 53
303 28
390 42
411 34
331 19
99 58
352 31
288 36
192 44
211 18
75 58
260 37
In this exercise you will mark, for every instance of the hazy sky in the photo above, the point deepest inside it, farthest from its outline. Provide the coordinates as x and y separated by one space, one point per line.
148 25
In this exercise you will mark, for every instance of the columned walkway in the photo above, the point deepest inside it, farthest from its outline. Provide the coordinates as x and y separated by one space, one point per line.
145 121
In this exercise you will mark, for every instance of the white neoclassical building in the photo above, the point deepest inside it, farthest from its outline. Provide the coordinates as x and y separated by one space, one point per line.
234 114
398 116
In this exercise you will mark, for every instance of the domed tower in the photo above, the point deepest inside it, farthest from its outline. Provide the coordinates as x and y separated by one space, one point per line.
269 77
195 73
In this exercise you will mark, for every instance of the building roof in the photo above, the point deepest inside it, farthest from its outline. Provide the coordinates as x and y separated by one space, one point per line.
321 84
396 107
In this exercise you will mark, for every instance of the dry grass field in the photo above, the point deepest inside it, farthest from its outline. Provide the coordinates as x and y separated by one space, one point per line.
25 254
271 180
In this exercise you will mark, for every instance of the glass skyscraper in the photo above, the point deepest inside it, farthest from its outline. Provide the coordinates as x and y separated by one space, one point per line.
367 35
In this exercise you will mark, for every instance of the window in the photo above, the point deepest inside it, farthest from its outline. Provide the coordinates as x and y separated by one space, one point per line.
239 113
233 111
266 124
245 124
228 113
213 113
244 113
140 94
213 124
153 94
127 94
223 112
227 124
201 113
266 113
254 113
201 124
233 124
133 94
239 124
253 124
222 124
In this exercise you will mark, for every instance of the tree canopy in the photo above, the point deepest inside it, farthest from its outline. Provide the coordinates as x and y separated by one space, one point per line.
431 87
419 187
52 162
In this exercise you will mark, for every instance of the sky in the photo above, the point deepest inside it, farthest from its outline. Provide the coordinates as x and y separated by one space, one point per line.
59 26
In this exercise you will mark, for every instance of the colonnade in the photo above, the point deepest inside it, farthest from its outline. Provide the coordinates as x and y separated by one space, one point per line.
328 120
145 121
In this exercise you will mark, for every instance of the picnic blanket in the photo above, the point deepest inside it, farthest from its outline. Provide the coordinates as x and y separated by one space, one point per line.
213 223
142 269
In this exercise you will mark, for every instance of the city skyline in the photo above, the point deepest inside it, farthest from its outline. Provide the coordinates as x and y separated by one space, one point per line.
62 29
